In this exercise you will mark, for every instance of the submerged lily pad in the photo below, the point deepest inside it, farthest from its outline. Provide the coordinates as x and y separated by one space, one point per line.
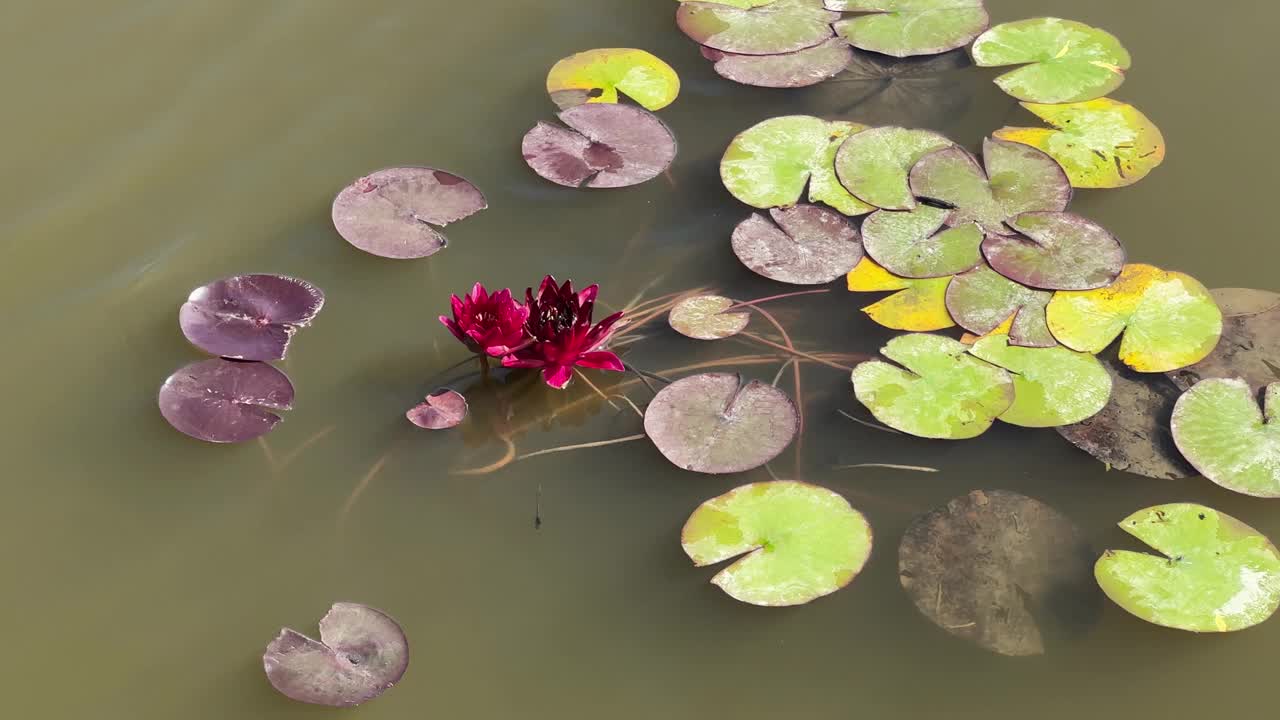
394 213
809 245
873 164
1056 251
1101 143
1063 61
1250 344
249 317
920 307
225 401
439 411
779 27
983 301
916 243
716 423
1169 320
943 392
605 146
703 317
770 163
362 653
1213 574
1220 429
801 542
801 68
911 27
598 76
1052 386
1001 570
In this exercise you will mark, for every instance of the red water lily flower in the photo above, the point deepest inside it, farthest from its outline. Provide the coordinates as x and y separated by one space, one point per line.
487 324
562 334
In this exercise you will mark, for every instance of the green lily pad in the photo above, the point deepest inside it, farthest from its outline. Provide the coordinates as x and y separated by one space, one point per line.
703 317
911 27
1052 386
943 392
809 245
1056 251
1063 61
597 76
873 164
1214 574
770 163
916 243
919 307
779 27
1101 143
1220 429
800 542
1250 345
983 301
801 68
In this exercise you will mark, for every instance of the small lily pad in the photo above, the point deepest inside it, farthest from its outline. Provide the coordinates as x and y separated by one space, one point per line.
984 302
716 423
917 243
920 307
703 317
1052 386
1169 319
1250 345
801 68
1063 61
1101 143
781 26
873 164
800 541
1056 251
1220 430
225 401
770 163
1213 574
809 245
911 27
394 213
249 317
940 391
441 410
605 146
362 653
598 76
1001 570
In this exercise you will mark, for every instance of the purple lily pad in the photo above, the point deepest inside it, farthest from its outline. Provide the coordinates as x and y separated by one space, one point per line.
249 317
225 401
809 245
982 300
1249 348
801 68
1056 251
781 26
362 652
605 146
440 411
391 213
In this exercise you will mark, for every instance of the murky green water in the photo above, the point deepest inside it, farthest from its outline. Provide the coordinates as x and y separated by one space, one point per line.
150 147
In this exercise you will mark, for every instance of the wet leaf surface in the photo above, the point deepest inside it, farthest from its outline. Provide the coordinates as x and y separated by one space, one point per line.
873 164
604 146
716 423
362 652
803 245
983 301
394 213
799 541
910 27
1001 570
801 68
1220 430
225 401
439 411
1052 386
704 318
920 306
1056 251
597 76
1063 61
1250 344
781 26
249 317
918 244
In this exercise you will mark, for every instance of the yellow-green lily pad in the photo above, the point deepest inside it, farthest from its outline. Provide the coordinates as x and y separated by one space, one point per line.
1250 345
910 27
598 76
1062 61
1220 430
919 244
873 164
1052 386
921 305
781 26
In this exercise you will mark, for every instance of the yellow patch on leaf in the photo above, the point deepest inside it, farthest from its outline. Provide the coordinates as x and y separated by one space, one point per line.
921 306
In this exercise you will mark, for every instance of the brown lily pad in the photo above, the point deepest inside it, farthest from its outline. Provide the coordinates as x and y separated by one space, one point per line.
703 317
225 401
394 213
249 317
604 146
804 245
801 68
439 411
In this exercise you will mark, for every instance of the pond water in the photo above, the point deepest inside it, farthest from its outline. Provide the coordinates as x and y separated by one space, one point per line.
152 147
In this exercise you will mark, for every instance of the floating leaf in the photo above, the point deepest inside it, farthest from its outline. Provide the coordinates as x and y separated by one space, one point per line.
249 317
911 27
770 163
1052 385
441 410
1214 574
703 317
1063 61
716 423
943 392
916 244
873 164
1240 302
809 245
597 76
999 569
801 68
1101 143
362 653
607 146
983 301
393 213
920 307
1250 345
1220 430
1169 320
779 27
1056 251
801 542
225 401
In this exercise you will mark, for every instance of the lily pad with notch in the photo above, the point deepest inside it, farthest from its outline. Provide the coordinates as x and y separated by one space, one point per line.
1250 344
781 26
249 317
1220 430
440 410
919 244
801 68
910 27
920 306
803 245
1052 385
394 213
601 75
984 302
1062 61
604 146
1056 251
707 317
225 401
873 164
